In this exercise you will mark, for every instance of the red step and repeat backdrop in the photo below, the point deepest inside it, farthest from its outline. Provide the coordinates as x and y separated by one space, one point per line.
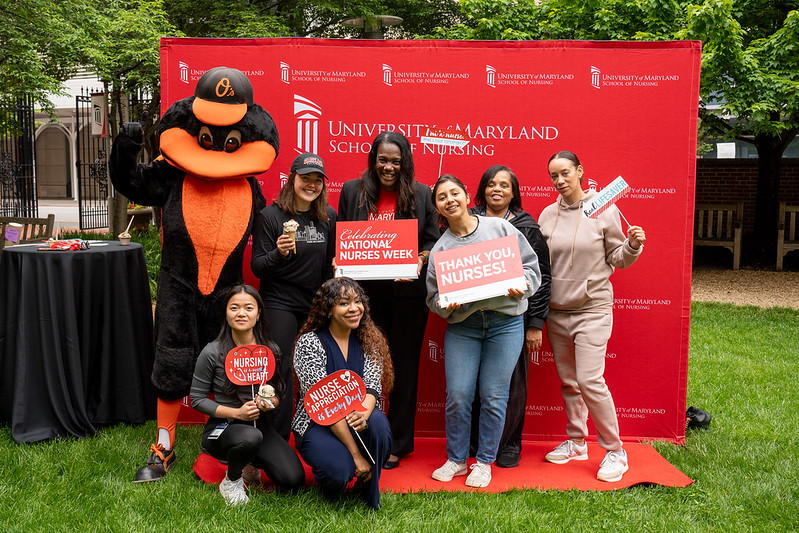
625 108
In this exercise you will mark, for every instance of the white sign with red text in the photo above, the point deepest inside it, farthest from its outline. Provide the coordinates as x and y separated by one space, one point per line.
377 249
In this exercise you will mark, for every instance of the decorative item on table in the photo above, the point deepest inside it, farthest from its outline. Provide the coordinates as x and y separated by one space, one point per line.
124 237
290 228
65 244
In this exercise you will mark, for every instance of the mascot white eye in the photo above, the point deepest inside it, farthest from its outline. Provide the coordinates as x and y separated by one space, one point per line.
233 141
205 138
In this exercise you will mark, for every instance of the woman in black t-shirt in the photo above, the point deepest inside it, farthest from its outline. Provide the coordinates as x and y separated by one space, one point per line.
292 265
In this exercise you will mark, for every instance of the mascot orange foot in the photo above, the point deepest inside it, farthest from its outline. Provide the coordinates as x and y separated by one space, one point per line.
212 145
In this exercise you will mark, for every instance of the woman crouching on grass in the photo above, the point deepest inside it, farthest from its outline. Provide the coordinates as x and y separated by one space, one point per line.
340 335
235 432
483 339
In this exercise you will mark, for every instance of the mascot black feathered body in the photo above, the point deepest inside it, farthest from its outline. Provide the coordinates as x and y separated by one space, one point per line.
212 145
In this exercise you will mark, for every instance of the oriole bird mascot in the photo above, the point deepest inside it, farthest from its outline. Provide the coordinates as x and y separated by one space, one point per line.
212 145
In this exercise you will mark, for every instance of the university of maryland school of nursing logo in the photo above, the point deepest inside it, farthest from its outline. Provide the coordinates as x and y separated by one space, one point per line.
284 72
307 115
595 74
184 71
387 74
491 76
434 352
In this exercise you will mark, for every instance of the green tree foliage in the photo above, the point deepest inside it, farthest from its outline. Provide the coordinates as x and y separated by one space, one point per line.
304 18
750 64
40 46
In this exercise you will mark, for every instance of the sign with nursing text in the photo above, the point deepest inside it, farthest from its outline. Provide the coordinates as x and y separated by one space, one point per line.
479 271
445 137
250 364
377 249
334 397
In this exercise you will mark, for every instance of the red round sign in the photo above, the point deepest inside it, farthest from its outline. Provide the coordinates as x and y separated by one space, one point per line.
332 398
250 364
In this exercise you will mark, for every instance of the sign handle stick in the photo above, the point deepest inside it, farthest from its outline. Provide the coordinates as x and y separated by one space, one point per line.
624 219
364 447
252 387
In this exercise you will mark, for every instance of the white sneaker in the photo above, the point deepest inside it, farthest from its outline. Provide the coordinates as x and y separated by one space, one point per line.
566 451
480 476
233 491
251 474
449 470
613 466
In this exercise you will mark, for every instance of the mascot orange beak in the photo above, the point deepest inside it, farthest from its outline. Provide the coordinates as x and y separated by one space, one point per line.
181 150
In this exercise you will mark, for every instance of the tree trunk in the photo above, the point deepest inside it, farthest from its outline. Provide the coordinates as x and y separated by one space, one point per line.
769 152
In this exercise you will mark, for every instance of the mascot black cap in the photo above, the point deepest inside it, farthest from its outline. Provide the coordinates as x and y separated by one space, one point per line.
222 96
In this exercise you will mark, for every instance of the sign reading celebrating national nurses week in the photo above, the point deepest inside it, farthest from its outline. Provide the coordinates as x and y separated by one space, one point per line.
250 364
377 249
625 108
334 397
479 271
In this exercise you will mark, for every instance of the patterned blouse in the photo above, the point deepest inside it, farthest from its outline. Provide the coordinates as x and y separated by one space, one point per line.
310 365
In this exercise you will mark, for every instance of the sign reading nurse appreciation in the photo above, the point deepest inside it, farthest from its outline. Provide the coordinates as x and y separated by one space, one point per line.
377 249
478 271
335 396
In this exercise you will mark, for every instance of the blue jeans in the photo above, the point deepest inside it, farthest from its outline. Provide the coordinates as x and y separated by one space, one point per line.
486 343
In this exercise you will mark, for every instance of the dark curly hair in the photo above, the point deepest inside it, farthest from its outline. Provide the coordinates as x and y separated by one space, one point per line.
368 334
370 181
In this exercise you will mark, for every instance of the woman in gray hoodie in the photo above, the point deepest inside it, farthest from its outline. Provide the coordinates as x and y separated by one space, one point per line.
584 252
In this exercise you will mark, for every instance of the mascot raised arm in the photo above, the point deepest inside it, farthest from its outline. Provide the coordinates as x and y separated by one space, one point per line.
212 145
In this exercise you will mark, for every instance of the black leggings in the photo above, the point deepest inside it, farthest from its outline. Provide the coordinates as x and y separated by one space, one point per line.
241 443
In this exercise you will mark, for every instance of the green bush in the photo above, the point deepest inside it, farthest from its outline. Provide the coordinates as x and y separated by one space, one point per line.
151 243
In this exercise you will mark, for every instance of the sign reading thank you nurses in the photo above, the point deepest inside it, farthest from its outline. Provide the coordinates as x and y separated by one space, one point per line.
479 271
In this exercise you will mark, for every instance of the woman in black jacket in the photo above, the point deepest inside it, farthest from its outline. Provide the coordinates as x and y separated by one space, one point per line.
498 195
387 190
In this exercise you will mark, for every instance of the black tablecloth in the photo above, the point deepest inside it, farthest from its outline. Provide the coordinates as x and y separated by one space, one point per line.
75 340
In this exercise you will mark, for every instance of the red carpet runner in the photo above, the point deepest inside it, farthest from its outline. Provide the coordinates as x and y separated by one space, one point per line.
413 474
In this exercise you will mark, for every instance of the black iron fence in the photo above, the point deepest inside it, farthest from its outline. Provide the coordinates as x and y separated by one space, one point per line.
18 196
92 165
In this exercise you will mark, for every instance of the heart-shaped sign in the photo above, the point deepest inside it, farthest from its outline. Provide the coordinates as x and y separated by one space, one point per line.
335 396
250 364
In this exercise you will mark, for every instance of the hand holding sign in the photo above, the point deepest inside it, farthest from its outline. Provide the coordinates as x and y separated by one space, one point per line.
336 396
479 271
247 365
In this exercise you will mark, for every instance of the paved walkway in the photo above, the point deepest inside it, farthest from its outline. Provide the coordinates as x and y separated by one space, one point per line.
65 211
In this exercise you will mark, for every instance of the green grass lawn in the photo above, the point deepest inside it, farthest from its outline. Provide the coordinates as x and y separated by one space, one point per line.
744 363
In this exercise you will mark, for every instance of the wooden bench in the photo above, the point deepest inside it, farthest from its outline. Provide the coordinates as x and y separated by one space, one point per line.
720 225
33 229
787 236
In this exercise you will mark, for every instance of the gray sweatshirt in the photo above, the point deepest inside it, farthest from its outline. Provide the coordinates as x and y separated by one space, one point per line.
488 228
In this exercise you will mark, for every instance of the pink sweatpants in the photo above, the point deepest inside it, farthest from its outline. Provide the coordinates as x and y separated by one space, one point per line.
579 343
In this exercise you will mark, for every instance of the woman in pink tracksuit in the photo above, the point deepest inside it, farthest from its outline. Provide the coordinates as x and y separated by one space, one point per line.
584 252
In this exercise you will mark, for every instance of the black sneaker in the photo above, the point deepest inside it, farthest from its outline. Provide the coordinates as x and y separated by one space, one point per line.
157 466
508 458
